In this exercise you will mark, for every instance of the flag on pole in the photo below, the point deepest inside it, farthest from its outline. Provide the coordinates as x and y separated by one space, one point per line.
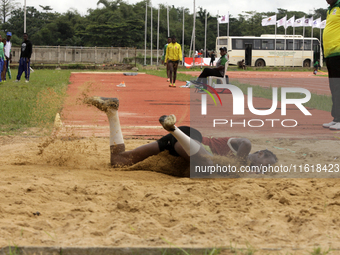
269 21
290 22
299 22
224 19
317 23
282 22
308 22
323 24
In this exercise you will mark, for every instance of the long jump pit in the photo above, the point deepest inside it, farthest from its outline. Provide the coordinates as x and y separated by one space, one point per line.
59 194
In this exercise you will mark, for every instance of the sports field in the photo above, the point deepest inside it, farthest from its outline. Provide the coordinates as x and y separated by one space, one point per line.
82 201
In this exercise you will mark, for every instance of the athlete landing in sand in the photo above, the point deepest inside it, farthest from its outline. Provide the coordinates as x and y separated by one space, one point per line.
181 141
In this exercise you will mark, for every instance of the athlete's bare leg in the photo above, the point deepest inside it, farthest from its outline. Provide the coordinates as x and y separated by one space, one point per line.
175 65
120 157
167 71
186 147
171 70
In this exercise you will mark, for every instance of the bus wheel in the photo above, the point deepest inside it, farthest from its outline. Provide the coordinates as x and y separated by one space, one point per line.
306 63
260 63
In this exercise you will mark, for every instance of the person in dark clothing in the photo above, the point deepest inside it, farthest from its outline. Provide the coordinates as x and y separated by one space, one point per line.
316 67
220 65
25 56
212 58
331 45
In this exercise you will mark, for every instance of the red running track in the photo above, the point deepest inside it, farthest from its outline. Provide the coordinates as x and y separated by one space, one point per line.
145 98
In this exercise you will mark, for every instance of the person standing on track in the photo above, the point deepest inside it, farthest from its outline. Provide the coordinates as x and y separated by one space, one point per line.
331 44
212 58
25 57
172 57
8 55
163 58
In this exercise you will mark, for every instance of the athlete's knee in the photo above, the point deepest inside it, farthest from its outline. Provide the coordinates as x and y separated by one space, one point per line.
246 143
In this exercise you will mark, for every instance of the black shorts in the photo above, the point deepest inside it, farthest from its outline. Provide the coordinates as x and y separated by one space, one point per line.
175 62
168 142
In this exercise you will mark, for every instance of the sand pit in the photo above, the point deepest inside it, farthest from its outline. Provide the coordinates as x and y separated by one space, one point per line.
84 202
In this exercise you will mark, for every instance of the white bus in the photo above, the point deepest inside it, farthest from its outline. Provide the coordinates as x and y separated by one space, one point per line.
260 51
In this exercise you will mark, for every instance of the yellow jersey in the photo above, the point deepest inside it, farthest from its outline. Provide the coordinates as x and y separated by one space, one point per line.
174 52
331 34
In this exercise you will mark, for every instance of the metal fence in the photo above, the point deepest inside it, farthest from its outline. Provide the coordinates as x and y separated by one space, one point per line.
93 55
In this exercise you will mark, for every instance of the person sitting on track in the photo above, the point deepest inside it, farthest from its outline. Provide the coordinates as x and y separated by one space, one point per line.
217 71
184 141
220 66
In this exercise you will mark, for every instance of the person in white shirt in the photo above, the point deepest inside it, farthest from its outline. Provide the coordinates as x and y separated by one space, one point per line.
8 55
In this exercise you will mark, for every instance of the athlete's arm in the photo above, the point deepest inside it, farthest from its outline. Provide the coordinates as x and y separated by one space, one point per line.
242 146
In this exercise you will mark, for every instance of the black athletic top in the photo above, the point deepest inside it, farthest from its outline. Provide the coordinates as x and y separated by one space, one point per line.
26 49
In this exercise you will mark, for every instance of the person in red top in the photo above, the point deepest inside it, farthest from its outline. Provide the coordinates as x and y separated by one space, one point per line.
184 141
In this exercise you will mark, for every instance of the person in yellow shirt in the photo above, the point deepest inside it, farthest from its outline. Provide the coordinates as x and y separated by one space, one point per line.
172 57
331 44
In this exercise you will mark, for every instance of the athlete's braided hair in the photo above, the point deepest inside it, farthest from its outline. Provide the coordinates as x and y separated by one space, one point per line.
268 153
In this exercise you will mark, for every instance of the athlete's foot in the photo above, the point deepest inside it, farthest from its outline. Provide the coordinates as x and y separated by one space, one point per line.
103 103
168 122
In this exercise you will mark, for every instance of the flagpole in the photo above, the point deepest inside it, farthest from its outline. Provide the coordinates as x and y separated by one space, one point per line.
167 14
183 40
192 36
275 46
303 41
293 42
194 33
321 58
25 16
205 36
151 35
228 24
284 56
218 33
146 22
157 35
311 47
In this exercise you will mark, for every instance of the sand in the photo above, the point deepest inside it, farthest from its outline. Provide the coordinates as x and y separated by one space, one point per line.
82 201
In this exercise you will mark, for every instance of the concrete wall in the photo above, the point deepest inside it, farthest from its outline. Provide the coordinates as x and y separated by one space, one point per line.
93 55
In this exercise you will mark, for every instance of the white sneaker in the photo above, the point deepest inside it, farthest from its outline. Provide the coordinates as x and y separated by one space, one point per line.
327 125
336 126
16 80
121 85
27 81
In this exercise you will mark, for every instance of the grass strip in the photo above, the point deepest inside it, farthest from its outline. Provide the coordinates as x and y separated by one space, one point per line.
319 102
34 104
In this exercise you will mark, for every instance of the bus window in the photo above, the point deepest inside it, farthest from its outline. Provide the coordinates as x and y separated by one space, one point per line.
257 45
290 44
301 44
223 42
267 44
307 44
280 44
237 44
